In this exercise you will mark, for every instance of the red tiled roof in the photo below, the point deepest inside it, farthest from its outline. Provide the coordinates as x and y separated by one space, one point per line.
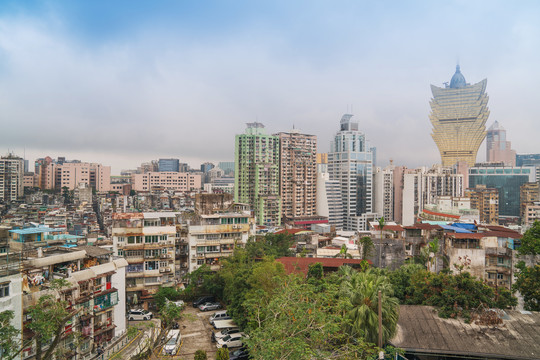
290 231
499 228
441 214
423 226
389 227
301 265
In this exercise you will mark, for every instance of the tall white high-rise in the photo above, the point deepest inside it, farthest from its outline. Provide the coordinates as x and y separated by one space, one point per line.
350 161
11 177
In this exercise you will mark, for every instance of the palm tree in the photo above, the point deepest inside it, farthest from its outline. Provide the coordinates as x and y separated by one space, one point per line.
343 253
360 293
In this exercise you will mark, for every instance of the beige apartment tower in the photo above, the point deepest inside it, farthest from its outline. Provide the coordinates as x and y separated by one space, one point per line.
458 114
298 174
486 201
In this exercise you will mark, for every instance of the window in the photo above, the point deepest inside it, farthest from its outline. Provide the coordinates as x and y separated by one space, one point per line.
163 237
200 261
121 239
4 290
151 239
151 265
500 276
120 252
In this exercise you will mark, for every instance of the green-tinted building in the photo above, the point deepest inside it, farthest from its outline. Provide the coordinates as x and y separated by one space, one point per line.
458 115
256 173
507 180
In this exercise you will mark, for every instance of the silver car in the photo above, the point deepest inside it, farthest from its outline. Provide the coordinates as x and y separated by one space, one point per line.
209 306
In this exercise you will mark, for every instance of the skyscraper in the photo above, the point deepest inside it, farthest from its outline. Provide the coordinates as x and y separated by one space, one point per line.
350 161
458 115
11 177
298 174
256 173
497 148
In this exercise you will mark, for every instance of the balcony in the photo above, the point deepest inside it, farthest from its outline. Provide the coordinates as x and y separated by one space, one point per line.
498 251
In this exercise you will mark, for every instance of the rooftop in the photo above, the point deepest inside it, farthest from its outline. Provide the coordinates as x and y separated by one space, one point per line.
422 331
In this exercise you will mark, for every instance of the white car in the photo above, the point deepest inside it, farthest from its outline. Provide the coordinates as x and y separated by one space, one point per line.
173 341
221 334
232 340
139 314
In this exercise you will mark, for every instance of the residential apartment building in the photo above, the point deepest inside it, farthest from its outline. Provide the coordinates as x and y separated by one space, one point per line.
383 192
71 174
256 174
95 293
11 177
329 201
147 242
177 181
531 214
423 186
458 114
497 148
215 235
297 174
486 201
529 193
350 162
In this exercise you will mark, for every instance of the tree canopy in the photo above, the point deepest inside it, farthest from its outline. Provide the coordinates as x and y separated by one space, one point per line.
530 242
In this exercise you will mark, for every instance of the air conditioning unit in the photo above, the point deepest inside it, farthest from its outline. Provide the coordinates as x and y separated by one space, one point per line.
169 256
162 270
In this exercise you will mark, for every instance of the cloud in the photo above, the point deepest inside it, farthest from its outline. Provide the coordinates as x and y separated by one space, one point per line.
141 89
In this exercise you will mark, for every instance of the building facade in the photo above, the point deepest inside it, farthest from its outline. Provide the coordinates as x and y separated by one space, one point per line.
256 174
383 193
71 173
497 148
458 114
11 178
486 201
529 194
166 180
169 165
329 201
298 174
147 242
350 162
507 180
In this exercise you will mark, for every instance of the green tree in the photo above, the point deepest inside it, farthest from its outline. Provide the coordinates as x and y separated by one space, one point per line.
10 344
165 293
528 284
360 292
302 322
401 281
49 317
315 271
343 253
200 355
530 242
367 246
222 354
170 313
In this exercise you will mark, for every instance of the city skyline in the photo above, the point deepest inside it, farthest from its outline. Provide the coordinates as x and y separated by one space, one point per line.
126 83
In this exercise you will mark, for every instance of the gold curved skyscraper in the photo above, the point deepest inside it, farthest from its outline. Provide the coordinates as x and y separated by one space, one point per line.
458 114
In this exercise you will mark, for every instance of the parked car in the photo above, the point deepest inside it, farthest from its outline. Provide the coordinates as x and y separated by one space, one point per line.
219 315
173 341
224 324
203 300
209 306
139 314
231 341
221 334
239 354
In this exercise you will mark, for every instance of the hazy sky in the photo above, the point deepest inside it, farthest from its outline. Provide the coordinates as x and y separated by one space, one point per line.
123 82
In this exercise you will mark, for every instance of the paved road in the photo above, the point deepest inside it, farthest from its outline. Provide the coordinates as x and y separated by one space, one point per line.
196 334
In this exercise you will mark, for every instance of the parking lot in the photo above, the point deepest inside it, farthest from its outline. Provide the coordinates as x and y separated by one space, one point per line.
196 334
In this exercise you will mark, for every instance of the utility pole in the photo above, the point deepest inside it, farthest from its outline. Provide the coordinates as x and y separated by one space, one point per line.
380 319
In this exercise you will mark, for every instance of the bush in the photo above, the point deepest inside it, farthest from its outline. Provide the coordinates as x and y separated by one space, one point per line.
200 355
222 354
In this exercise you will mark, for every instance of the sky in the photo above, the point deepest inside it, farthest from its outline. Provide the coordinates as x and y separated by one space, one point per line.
126 82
